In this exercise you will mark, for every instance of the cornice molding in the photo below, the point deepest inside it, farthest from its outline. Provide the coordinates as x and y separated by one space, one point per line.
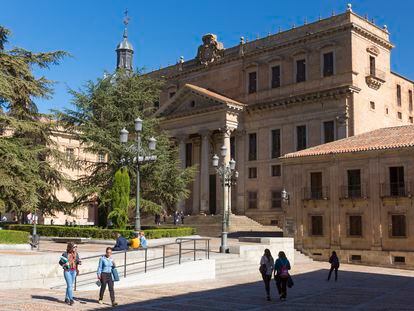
301 98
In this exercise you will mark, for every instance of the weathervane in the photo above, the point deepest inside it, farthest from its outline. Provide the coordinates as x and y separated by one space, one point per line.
126 18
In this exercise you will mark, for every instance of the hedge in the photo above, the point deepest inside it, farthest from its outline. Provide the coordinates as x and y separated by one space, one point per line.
13 237
97 233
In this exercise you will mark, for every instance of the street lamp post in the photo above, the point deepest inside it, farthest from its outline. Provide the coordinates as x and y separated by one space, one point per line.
139 159
228 175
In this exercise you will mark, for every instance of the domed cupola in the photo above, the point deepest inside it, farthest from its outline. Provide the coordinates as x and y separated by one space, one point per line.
124 50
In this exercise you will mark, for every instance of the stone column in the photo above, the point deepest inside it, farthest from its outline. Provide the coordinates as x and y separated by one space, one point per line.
240 166
181 148
204 172
196 184
226 142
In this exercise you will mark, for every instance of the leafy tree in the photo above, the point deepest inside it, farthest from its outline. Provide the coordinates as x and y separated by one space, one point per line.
120 199
29 159
102 109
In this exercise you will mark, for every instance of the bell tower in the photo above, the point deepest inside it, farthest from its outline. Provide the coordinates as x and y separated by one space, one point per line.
124 50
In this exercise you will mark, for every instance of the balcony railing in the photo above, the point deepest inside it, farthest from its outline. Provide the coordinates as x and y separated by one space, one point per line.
354 191
374 77
375 73
315 193
396 190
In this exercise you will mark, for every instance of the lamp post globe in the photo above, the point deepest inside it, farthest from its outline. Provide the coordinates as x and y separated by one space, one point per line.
138 125
152 143
232 164
223 151
215 161
123 136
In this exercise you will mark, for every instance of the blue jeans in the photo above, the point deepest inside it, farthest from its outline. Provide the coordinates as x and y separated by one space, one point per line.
70 276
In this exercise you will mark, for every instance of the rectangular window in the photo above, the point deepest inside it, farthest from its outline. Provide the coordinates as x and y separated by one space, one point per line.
399 259
70 152
252 172
399 115
397 184
188 154
356 258
328 131
372 66
354 183
372 105
399 95
328 64
252 82
276 199
101 158
398 226
276 171
355 225
317 225
316 185
275 143
252 147
232 147
275 77
410 100
300 70
300 137
410 119
252 199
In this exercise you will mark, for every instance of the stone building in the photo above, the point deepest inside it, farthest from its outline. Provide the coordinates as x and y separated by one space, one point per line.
313 84
354 196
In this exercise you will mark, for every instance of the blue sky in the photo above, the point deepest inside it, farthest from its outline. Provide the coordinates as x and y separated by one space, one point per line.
161 31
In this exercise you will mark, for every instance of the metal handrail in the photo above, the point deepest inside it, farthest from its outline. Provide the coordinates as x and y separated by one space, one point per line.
181 251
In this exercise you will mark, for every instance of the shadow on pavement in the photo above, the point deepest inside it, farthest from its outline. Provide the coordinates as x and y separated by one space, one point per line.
353 291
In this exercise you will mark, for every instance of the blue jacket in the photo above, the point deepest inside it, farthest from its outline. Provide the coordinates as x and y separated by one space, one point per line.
105 265
280 262
121 244
143 242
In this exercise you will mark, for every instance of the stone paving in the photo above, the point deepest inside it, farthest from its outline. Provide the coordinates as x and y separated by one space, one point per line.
358 288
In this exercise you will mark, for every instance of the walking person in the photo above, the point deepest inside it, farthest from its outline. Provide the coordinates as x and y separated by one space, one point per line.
182 217
70 261
266 268
334 261
282 267
105 266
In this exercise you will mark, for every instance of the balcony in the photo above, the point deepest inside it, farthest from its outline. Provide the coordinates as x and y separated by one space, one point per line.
395 190
354 192
315 193
374 77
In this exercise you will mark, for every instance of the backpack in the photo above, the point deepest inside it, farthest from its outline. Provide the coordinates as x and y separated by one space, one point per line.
284 272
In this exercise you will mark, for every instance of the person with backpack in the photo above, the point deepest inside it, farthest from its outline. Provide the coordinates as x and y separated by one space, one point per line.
334 261
70 261
105 266
266 268
282 267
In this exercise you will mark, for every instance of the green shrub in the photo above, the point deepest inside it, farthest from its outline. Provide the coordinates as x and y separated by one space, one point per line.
13 237
98 233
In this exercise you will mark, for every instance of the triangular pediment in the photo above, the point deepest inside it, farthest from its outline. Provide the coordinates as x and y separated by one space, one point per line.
191 99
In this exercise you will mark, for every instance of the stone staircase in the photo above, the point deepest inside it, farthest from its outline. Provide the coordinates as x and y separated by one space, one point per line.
210 225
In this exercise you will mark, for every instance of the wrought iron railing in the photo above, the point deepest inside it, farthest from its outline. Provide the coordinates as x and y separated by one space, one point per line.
315 193
176 251
359 191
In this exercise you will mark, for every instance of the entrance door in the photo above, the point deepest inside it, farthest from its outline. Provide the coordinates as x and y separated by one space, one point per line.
212 194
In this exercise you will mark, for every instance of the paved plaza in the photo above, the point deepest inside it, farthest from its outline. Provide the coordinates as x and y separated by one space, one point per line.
358 288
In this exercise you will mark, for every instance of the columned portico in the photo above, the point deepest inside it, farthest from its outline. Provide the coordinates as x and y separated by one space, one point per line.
207 120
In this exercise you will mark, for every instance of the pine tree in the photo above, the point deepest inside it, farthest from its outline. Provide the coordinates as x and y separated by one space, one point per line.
29 160
120 199
102 109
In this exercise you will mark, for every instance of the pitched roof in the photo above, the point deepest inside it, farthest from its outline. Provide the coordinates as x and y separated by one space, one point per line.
213 95
383 138
200 91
